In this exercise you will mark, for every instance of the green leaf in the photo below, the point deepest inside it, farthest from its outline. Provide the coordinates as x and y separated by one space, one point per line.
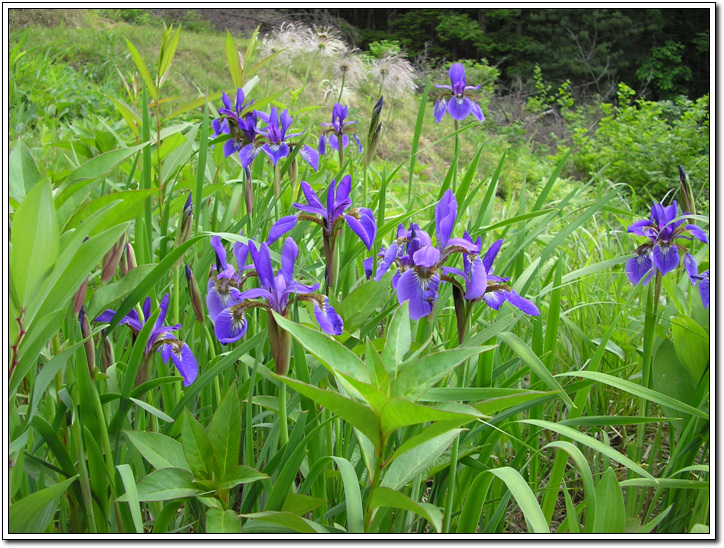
398 413
165 484
105 296
129 483
22 171
399 338
416 461
240 474
496 405
233 58
692 346
222 521
143 70
301 504
289 521
356 307
473 506
383 496
152 410
128 203
159 450
352 495
610 508
525 353
593 443
415 378
33 514
637 390
225 431
525 498
197 447
354 413
34 243
329 351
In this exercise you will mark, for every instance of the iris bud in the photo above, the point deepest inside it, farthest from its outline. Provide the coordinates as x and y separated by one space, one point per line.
90 349
197 302
112 259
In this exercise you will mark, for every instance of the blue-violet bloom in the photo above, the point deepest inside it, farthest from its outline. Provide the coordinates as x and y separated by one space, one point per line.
160 338
694 277
337 131
459 101
275 137
661 252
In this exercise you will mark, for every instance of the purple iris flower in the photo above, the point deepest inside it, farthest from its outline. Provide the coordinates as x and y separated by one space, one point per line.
160 338
482 284
360 220
694 277
230 324
419 262
241 127
338 131
223 290
275 137
460 100
661 252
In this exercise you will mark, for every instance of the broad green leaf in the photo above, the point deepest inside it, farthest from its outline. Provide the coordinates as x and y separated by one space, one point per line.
525 498
301 504
415 378
383 496
692 346
699 529
225 431
637 390
352 495
165 484
159 450
33 513
155 411
416 461
128 203
133 120
177 158
398 413
329 351
666 483
129 483
197 447
22 171
240 474
495 405
290 522
356 307
354 413
222 521
473 506
105 296
525 353
610 507
34 243
398 339
591 442
233 58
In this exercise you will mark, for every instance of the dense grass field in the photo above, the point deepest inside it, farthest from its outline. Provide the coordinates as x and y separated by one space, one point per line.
270 284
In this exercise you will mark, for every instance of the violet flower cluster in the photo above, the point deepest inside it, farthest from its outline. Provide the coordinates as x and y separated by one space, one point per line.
662 252
160 339
337 133
246 138
420 267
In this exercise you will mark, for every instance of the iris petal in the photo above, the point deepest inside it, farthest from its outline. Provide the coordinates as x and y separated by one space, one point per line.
460 107
421 293
327 318
440 109
640 268
666 257
229 329
281 227
520 303
478 281
446 211
698 233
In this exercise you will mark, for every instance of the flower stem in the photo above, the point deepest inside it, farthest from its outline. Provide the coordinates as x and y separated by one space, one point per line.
283 432
457 154
341 89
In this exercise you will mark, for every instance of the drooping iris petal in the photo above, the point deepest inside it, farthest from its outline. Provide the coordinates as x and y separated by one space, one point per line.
420 291
459 107
465 244
276 151
666 257
367 264
440 109
220 295
359 145
322 145
289 255
248 153
477 280
364 228
281 227
183 358
327 318
387 260
310 155
446 211
494 299
704 289
698 233
477 111
230 147
641 228
520 303
692 269
639 268
230 325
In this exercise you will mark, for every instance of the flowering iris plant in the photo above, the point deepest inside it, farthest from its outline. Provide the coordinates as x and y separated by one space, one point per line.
160 339
419 262
275 138
360 220
336 134
661 253
222 290
459 101
240 126
274 293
